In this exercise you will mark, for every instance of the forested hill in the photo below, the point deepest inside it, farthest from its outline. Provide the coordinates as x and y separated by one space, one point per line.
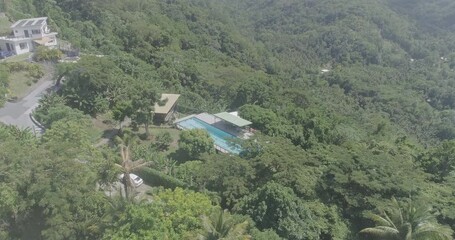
433 15
368 45
332 146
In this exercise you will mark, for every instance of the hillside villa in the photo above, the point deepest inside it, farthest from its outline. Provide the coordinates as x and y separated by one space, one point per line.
226 129
26 35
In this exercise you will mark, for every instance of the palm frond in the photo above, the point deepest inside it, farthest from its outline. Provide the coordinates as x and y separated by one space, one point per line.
380 232
238 232
431 231
391 222
378 219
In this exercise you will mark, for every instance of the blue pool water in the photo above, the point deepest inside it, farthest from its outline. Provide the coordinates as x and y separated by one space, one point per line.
221 138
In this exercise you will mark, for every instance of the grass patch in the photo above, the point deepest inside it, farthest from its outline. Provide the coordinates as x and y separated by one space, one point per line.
19 58
108 129
5 26
19 84
175 134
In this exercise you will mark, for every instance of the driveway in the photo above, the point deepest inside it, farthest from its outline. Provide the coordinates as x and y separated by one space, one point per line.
18 113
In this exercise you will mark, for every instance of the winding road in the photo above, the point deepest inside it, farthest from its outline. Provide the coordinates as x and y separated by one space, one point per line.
18 113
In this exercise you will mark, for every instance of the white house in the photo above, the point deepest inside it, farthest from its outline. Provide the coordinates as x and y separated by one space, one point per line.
27 34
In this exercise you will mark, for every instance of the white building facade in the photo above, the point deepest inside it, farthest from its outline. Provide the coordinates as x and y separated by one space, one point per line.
28 34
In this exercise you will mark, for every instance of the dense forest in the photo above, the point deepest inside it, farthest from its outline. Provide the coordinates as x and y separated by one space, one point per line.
362 150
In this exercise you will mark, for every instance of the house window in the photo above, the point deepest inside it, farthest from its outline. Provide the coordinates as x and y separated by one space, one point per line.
36 31
23 45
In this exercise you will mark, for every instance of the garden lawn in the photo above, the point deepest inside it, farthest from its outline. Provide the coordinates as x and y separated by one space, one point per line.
19 58
5 26
19 84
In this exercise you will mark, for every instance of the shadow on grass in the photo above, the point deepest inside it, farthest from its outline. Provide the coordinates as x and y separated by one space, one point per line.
109 135
179 156
144 137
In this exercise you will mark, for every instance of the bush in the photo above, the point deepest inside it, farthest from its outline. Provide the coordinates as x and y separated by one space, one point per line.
163 140
46 54
35 71
153 177
195 142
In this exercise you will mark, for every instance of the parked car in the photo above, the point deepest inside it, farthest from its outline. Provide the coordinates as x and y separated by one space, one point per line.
5 54
137 181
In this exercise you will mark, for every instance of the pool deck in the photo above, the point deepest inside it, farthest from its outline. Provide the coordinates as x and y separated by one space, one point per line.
184 118
218 123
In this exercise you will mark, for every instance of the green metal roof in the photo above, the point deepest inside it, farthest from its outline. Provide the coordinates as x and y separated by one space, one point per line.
238 121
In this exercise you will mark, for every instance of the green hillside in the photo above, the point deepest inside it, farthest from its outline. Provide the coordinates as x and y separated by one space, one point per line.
333 146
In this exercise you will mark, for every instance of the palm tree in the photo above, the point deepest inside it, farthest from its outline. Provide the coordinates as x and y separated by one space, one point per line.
406 222
221 226
127 165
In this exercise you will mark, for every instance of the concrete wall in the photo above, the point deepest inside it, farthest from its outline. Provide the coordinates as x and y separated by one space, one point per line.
19 31
3 45
27 47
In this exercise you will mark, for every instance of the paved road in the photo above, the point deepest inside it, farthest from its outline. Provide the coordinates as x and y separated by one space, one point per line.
18 113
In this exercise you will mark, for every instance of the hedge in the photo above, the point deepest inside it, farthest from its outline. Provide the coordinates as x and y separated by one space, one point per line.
153 177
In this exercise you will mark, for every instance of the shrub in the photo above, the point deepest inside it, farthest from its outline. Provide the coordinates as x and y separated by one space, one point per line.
46 54
153 177
163 140
195 142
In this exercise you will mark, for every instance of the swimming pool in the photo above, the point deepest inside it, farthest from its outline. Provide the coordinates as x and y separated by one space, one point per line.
220 137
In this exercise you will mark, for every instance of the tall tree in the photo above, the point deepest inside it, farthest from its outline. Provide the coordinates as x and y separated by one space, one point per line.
173 214
195 142
127 165
277 207
439 161
92 85
143 103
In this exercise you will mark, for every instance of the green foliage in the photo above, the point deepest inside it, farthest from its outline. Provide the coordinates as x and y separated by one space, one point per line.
276 159
70 132
406 221
153 177
39 184
439 161
52 109
265 235
128 163
230 176
333 143
277 207
364 178
263 119
221 225
4 83
46 54
33 70
143 101
195 142
163 140
92 83
172 215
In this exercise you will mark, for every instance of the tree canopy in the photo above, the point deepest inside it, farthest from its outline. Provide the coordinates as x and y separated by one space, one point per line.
351 103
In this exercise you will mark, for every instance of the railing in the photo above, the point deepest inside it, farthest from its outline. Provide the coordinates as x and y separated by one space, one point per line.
13 38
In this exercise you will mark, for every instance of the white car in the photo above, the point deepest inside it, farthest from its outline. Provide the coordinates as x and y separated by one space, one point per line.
137 181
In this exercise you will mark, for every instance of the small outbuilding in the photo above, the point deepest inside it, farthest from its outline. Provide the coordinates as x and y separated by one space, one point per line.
165 111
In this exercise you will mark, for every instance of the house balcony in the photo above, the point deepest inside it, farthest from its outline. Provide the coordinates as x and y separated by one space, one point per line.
13 38
43 35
